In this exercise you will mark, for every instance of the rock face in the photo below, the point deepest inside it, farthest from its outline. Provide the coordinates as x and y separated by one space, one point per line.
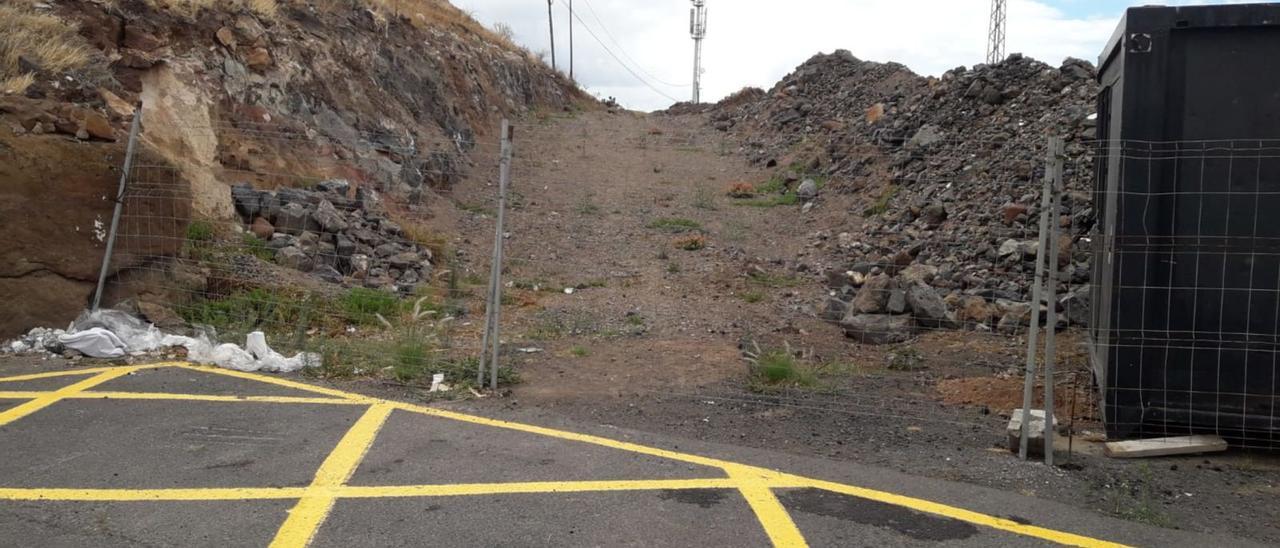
317 91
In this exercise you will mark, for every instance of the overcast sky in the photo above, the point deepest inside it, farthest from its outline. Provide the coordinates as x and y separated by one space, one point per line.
756 42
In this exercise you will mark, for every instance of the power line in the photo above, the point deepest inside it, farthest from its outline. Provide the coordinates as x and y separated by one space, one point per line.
623 51
619 61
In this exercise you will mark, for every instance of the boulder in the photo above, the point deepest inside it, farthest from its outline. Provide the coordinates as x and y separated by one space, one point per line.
247 201
928 134
897 302
405 260
873 296
927 307
1077 306
1016 319
334 186
262 228
367 199
359 266
329 218
808 190
974 310
834 310
918 274
294 218
295 258
877 328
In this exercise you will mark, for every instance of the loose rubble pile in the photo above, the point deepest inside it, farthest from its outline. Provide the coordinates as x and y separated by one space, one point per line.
949 171
334 235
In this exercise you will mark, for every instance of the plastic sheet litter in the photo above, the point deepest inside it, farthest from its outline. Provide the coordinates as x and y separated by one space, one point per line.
114 334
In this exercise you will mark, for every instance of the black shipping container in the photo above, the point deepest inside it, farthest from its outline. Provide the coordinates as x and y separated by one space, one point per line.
1186 292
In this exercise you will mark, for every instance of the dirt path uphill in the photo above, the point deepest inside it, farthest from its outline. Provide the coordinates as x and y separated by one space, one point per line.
610 206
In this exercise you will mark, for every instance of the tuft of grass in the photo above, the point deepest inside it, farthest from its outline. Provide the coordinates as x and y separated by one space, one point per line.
779 367
788 199
579 351
690 243
256 247
362 306
17 84
905 358
775 185
586 207
704 198
881 204
673 268
675 225
44 39
274 310
752 296
772 280
200 240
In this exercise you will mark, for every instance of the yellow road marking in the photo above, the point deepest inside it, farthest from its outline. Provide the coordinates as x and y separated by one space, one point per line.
305 518
51 398
54 374
773 516
94 395
279 382
144 495
378 491
316 501
961 514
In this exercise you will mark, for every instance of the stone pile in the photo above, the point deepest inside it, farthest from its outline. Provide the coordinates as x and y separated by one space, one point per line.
335 234
949 173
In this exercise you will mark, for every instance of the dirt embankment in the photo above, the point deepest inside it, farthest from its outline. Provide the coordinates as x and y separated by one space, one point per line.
229 94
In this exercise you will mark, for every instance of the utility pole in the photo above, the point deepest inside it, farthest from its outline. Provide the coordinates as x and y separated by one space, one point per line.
571 40
552 23
698 28
995 33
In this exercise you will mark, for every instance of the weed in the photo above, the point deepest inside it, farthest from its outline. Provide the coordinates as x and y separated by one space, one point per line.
704 198
579 351
673 268
690 243
775 185
257 247
788 199
905 358
676 225
752 296
363 306
586 207
199 242
778 367
635 319
274 310
476 209
772 280
663 254
882 203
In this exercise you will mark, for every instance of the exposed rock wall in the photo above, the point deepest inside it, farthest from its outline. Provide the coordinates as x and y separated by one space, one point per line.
320 90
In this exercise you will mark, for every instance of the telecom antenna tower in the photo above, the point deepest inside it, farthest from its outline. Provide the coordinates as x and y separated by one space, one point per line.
698 28
995 34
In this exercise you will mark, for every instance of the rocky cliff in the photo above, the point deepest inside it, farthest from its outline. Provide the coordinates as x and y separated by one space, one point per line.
310 89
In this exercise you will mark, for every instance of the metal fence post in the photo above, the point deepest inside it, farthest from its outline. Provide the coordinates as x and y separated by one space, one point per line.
504 181
492 334
1029 378
1054 179
115 216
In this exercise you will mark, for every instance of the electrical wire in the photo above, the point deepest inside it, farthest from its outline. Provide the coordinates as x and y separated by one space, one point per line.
624 53
615 56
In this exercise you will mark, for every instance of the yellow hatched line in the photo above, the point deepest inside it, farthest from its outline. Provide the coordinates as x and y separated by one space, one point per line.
41 402
305 517
754 482
145 495
98 395
379 491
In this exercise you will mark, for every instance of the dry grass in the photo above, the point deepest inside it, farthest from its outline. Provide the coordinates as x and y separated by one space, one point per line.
190 8
17 84
42 39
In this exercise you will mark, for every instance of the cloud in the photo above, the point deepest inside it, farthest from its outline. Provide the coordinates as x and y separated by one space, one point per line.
757 42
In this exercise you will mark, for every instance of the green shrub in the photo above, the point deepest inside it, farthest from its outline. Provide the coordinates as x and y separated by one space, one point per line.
361 306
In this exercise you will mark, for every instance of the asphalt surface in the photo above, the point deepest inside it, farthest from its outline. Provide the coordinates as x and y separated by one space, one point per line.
172 455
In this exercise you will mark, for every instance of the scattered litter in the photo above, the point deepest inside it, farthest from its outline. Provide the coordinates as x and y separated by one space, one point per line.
475 392
112 334
95 342
530 350
1163 447
438 384
568 291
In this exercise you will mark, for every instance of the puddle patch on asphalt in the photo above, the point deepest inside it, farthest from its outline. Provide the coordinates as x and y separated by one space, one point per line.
906 521
704 498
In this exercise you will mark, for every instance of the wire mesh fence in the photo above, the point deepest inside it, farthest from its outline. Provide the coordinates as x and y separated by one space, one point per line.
326 249
1188 310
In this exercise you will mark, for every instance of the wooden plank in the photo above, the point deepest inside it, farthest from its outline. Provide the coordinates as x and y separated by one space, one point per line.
1163 447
